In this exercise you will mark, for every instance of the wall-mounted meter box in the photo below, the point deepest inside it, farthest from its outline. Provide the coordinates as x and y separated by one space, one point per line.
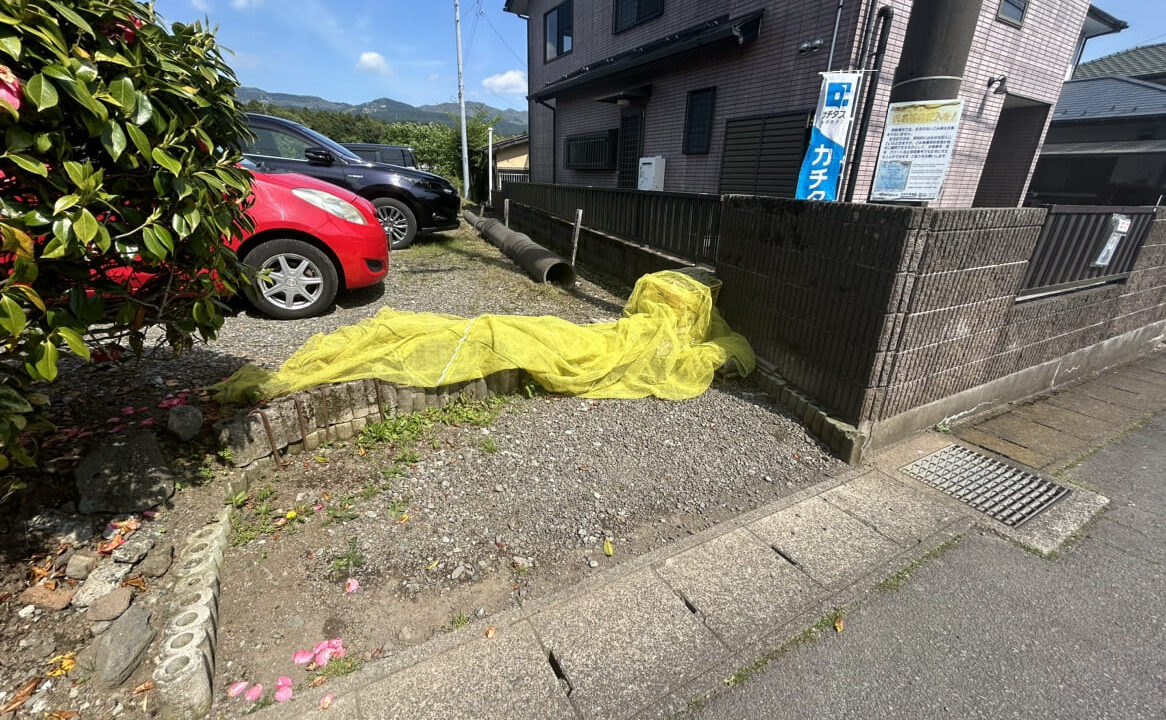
651 174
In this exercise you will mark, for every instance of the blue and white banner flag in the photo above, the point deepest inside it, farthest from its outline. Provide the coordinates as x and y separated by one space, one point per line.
822 166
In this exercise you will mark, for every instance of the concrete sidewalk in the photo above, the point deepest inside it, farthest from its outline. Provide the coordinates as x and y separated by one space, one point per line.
646 638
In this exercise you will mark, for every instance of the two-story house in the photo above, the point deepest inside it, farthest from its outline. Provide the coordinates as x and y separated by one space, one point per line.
724 90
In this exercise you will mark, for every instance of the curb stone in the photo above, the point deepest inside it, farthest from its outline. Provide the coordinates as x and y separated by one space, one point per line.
184 674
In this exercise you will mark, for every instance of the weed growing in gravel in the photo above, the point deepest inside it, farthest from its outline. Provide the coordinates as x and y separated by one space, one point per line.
368 490
420 426
408 457
397 508
341 511
347 561
237 500
488 446
339 667
458 622
226 455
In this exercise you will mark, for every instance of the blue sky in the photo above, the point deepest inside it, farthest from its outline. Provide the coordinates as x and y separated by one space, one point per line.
1147 21
359 50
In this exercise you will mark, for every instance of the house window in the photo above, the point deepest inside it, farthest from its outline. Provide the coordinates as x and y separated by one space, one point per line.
698 121
629 13
591 151
1012 11
560 26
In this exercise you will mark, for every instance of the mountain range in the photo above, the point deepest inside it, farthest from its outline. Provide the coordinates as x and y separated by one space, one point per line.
512 122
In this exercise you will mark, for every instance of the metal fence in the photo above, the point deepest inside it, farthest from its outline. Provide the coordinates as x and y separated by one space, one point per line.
686 225
514 176
1085 245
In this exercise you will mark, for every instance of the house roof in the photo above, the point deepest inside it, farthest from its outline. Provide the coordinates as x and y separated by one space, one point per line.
1109 97
508 142
1098 23
720 29
1145 60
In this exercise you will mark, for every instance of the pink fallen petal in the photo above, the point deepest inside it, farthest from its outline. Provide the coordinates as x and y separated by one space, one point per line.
301 656
117 428
113 420
336 643
283 681
319 646
148 422
237 688
351 586
128 410
317 507
340 653
149 514
323 657
326 701
283 694
254 693
143 409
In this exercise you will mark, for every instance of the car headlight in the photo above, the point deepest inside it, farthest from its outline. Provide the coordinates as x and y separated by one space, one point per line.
431 185
329 203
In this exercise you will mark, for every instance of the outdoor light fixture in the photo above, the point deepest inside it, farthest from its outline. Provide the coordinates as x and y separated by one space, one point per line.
1000 83
815 44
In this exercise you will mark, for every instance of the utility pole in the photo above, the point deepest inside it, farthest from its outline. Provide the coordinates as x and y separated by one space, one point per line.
461 100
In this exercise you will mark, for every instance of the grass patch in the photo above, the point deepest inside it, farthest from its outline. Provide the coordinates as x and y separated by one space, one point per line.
896 581
421 426
339 667
458 622
343 564
488 446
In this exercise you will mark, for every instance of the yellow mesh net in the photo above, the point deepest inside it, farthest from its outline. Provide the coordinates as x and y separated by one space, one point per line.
669 343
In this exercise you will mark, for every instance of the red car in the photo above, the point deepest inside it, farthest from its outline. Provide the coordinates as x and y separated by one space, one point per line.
311 239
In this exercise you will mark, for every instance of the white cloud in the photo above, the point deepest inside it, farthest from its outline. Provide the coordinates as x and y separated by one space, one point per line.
244 4
373 62
201 5
511 82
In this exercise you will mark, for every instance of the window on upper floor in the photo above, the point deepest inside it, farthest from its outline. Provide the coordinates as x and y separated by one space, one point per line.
1012 11
559 24
629 13
698 121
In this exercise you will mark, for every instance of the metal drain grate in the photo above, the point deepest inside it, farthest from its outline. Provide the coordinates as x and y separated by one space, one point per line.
999 490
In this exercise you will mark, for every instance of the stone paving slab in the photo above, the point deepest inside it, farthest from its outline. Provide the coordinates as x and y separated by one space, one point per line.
741 586
624 646
831 546
1117 396
1008 449
903 513
507 676
1050 529
1152 390
1065 420
1044 440
1092 407
1151 378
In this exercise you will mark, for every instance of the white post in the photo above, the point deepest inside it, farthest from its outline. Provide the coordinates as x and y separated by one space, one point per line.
506 212
490 167
575 234
461 100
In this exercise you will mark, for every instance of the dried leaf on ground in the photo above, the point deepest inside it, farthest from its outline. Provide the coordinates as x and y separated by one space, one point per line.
490 632
62 715
839 624
137 581
24 693
144 687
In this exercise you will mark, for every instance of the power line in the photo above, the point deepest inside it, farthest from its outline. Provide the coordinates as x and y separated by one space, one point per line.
504 43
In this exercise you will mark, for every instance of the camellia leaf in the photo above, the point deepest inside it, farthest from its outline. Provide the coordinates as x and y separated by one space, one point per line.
123 93
10 45
144 111
12 318
74 340
85 226
113 139
12 402
30 164
71 16
40 92
45 360
138 138
32 296
65 202
166 161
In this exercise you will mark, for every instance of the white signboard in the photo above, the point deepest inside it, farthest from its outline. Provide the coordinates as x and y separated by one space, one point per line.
916 151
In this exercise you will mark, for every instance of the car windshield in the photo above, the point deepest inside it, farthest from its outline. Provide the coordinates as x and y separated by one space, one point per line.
329 144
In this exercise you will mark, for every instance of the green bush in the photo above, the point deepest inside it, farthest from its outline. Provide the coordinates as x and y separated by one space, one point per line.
121 139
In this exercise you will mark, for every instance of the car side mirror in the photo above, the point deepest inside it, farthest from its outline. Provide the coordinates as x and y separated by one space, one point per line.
319 156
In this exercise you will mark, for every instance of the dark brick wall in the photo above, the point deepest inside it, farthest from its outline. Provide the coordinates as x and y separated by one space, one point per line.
875 310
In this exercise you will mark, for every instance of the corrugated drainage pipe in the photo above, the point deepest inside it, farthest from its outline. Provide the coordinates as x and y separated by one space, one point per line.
542 264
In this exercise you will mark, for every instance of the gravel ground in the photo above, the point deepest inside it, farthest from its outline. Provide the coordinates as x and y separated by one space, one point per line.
479 518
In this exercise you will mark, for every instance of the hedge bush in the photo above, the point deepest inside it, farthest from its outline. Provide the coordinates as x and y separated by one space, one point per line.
121 139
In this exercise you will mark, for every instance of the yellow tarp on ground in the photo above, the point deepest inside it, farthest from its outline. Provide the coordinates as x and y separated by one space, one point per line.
669 343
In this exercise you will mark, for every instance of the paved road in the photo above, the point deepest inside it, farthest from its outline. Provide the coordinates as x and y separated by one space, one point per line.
990 631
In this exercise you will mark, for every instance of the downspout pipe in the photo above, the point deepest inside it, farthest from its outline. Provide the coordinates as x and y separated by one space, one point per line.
554 141
541 264
885 16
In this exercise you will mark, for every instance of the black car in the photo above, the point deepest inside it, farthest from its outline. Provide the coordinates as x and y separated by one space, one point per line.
392 154
406 200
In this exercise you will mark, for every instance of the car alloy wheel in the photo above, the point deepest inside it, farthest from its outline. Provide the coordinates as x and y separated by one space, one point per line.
293 280
398 221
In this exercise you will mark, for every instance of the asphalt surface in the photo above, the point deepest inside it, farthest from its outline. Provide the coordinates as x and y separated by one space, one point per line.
988 630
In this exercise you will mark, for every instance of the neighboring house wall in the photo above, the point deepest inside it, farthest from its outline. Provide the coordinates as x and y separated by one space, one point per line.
768 76
516 157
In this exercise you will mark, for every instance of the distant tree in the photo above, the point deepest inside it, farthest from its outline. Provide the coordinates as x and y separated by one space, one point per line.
121 144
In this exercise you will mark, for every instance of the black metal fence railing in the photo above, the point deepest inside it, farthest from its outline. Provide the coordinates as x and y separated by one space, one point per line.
686 225
1085 245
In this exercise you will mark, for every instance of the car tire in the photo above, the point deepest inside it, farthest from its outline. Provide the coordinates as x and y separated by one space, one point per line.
301 282
398 220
